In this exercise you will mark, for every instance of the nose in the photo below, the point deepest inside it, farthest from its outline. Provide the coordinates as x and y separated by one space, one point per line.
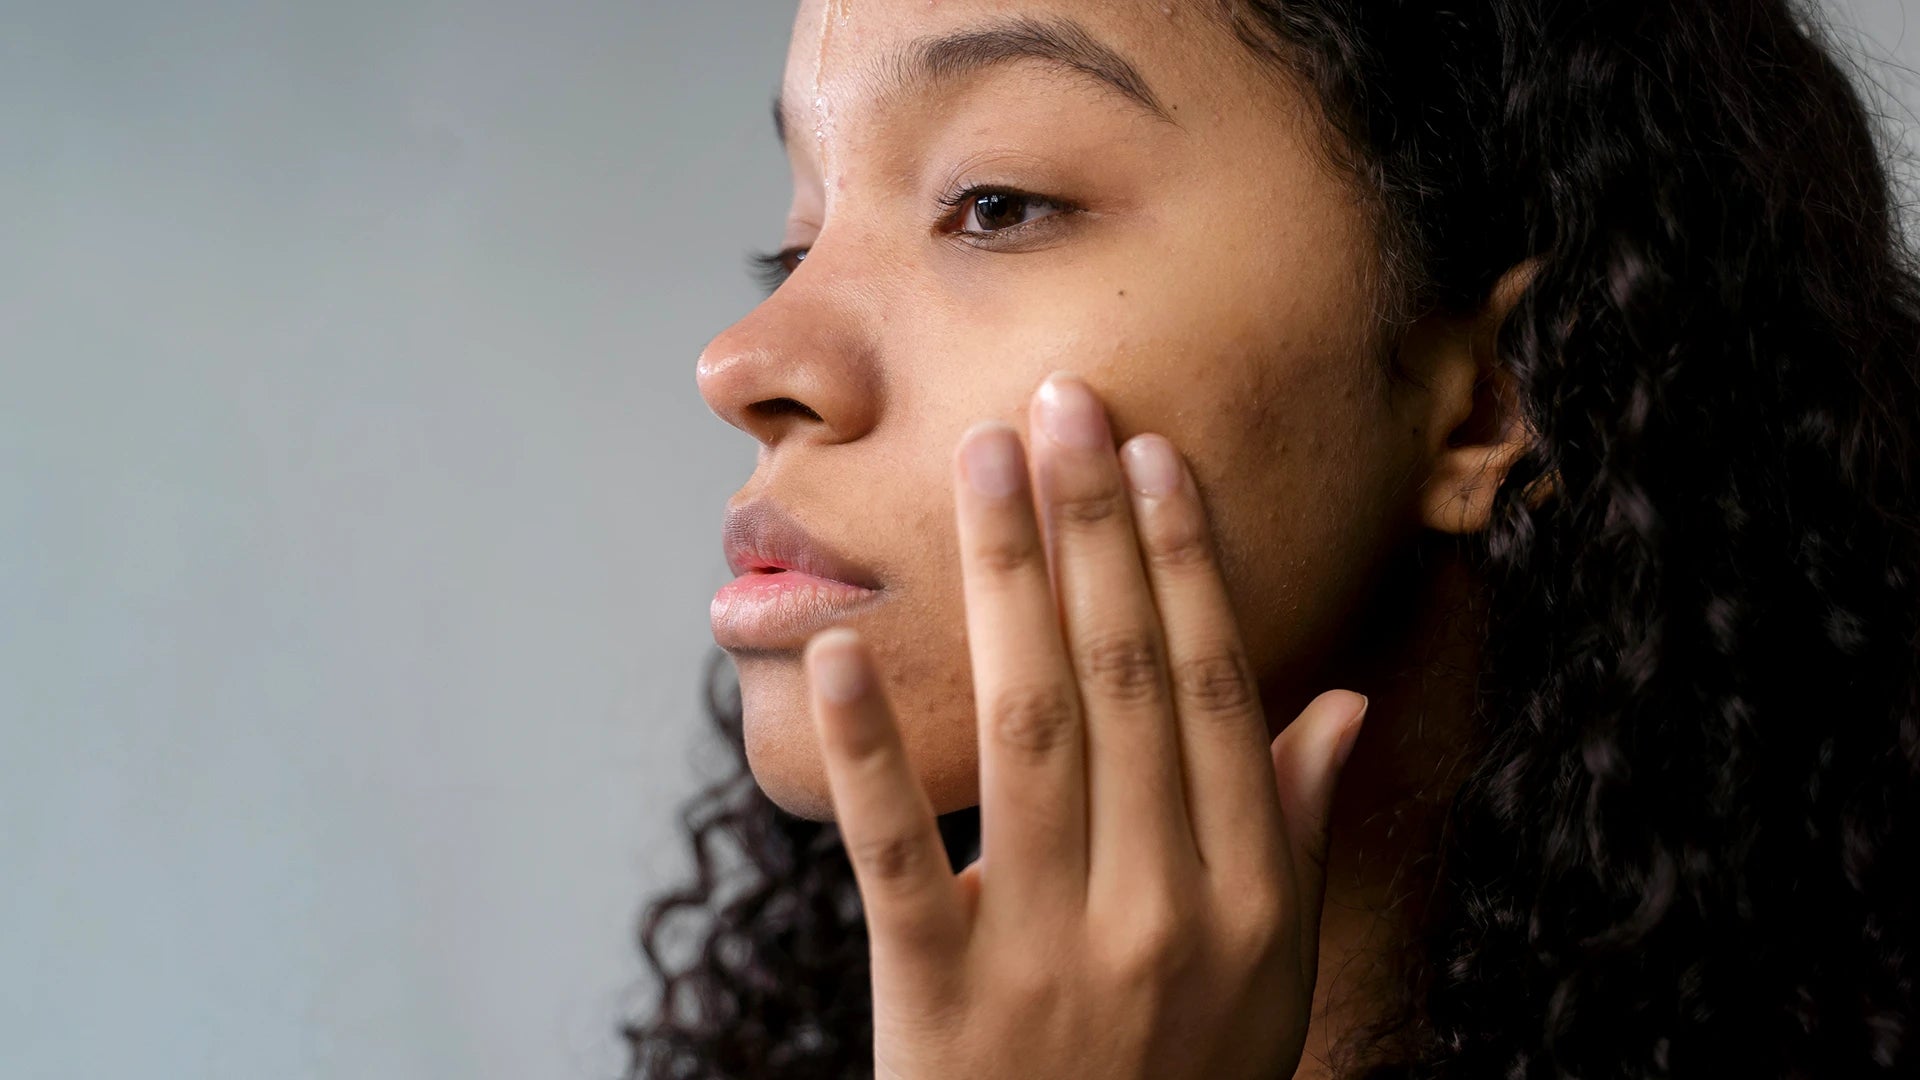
799 366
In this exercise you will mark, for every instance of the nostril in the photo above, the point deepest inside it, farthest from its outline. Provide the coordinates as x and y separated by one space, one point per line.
778 407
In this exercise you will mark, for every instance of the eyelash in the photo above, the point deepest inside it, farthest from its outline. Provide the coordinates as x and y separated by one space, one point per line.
772 269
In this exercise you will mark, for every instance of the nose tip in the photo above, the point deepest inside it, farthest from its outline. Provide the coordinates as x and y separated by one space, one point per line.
718 373
746 391
784 371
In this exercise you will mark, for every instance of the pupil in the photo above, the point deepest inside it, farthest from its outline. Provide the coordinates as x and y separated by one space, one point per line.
992 208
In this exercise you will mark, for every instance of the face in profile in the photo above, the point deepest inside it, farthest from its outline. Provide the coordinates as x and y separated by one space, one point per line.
985 192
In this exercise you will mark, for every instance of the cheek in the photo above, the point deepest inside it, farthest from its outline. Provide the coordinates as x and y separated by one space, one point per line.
921 645
1302 482
1280 407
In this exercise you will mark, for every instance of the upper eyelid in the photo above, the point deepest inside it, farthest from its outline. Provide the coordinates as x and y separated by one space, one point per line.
963 192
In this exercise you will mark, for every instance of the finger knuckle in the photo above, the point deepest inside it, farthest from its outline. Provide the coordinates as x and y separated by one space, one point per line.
1006 552
1215 680
1031 720
1178 545
1125 666
889 858
1258 924
1160 944
1032 985
1092 508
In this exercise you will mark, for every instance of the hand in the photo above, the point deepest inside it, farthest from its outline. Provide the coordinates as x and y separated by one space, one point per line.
1147 898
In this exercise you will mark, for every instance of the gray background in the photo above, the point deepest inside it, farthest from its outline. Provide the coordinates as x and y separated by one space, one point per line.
359 516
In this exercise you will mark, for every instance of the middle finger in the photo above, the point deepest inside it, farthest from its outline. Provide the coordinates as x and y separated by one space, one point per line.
1137 820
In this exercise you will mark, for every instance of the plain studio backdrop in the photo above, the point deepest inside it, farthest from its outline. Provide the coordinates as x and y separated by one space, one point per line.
359 515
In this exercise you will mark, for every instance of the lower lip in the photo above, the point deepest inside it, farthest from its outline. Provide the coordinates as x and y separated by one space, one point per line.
781 610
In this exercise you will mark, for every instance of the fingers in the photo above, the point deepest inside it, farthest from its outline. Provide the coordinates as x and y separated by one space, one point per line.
1122 737
906 882
1222 729
1136 807
1308 757
1033 815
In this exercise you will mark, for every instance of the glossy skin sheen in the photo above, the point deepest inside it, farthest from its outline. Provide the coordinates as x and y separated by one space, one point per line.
972 222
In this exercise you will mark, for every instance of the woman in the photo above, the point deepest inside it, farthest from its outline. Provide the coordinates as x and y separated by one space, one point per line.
1537 378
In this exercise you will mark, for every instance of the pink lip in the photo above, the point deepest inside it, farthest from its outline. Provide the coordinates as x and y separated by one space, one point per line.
780 609
788 584
761 535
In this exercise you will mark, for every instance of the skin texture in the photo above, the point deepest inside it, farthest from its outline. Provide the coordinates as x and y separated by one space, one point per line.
1147 899
1211 280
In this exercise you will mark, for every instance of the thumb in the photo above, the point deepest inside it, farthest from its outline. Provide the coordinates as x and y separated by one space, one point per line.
1308 758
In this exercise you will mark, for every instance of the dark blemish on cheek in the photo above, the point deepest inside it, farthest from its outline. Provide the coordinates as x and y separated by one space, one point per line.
1123 292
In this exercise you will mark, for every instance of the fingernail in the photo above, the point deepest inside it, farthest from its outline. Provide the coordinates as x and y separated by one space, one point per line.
1151 465
837 667
1070 413
990 456
1351 736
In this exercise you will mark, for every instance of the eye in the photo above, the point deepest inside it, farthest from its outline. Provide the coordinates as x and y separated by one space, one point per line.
982 213
774 268
987 211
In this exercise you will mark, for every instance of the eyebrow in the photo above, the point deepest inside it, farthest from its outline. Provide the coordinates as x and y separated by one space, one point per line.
1060 43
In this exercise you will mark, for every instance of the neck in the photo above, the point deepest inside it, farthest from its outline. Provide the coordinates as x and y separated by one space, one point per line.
1416 657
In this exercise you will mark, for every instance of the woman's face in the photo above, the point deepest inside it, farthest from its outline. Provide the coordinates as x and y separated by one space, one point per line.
987 191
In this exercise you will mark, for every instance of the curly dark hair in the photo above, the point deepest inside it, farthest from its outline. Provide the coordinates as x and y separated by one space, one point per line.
1685 843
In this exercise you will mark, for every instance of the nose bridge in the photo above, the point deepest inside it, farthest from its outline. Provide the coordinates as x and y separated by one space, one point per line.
804 363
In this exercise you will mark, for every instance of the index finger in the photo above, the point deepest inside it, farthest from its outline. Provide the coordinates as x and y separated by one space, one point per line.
1033 788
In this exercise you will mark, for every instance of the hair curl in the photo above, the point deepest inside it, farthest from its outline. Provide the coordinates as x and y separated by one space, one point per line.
1686 843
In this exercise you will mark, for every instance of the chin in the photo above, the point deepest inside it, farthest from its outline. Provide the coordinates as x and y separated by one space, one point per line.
783 752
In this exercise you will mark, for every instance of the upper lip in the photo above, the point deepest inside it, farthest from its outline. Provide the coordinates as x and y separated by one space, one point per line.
761 536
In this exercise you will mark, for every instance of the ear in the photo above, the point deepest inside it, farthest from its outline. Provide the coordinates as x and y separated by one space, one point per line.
1472 426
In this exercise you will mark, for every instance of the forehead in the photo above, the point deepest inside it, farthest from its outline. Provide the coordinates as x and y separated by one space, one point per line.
850 51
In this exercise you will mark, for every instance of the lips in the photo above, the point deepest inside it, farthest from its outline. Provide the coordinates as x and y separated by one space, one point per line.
761 537
787 584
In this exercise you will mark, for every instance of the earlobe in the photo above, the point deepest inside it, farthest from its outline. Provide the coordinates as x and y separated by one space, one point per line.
1478 428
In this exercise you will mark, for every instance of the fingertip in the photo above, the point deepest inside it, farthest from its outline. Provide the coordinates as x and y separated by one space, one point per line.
996 425
833 635
1341 703
832 639
837 661
1332 720
989 459
989 428
1356 713
1152 466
